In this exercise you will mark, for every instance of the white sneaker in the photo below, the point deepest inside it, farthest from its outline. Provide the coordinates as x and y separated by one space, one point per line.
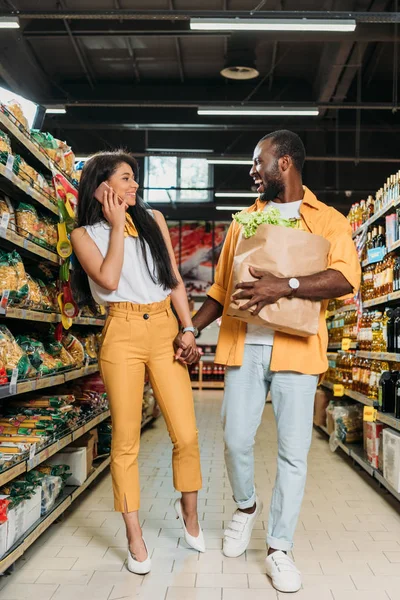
140 568
238 533
282 570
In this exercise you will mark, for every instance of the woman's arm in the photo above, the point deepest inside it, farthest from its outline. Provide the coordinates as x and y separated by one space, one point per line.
106 272
178 295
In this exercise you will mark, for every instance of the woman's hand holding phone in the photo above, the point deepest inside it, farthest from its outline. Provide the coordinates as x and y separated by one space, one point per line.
113 209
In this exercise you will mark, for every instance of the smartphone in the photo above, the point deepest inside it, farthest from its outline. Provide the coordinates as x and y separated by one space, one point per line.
104 187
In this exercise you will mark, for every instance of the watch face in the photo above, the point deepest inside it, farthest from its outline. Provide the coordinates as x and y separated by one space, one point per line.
294 283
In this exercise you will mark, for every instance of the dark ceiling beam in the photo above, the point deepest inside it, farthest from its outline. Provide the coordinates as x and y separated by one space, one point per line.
370 70
185 15
51 29
131 50
77 48
20 70
178 49
159 103
340 62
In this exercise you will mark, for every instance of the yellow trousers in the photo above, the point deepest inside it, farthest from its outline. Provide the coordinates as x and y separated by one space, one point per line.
136 337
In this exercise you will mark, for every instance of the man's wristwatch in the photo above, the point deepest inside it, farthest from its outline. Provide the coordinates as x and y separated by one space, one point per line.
294 285
193 330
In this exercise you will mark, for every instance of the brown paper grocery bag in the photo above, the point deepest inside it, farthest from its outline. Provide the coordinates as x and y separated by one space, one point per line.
284 252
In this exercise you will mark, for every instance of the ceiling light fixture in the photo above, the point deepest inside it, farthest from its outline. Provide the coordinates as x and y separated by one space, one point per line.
339 25
9 23
236 195
228 161
280 111
230 208
56 110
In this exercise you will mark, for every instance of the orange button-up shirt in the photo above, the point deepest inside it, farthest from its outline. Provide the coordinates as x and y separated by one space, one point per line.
289 353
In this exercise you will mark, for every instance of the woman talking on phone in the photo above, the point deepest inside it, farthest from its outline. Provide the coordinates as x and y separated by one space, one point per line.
127 262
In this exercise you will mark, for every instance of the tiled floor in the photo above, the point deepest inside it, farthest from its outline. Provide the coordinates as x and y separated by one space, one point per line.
347 541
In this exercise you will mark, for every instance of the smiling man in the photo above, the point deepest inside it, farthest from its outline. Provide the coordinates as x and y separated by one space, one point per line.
259 360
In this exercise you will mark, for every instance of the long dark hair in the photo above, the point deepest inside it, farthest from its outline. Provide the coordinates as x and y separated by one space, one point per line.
97 169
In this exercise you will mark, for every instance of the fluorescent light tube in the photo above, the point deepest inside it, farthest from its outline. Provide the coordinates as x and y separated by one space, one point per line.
254 111
230 208
342 25
228 161
236 195
9 23
56 110
182 150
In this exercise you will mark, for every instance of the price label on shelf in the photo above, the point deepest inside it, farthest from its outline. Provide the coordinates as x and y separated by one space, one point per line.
13 382
346 344
4 224
32 451
370 414
9 165
338 389
4 302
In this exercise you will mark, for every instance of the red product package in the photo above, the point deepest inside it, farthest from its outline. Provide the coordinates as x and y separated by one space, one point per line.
3 509
372 432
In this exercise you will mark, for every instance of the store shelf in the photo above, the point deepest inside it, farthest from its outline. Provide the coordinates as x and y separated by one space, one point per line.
356 452
23 137
384 211
42 455
346 308
46 382
25 187
212 385
67 497
389 356
22 242
381 300
45 317
338 346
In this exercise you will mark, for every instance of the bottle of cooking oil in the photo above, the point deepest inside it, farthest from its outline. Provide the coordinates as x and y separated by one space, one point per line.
374 377
378 342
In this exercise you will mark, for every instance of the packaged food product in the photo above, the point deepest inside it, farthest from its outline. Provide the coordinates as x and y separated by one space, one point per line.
13 278
34 298
42 361
75 348
88 341
5 144
15 108
56 349
13 357
27 220
46 302
49 229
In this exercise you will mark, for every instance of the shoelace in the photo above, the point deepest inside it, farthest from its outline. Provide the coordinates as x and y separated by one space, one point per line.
284 563
236 526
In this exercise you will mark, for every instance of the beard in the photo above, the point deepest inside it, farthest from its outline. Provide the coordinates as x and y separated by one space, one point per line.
275 185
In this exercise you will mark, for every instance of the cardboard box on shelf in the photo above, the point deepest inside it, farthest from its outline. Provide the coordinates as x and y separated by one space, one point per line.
89 442
391 457
76 459
15 523
320 405
372 432
3 538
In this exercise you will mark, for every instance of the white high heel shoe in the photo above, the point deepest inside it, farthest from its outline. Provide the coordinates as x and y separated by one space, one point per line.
140 568
197 543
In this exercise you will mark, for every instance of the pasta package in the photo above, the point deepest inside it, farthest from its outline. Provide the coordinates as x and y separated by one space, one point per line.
5 144
13 357
42 361
75 348
15 108
27 220
13 278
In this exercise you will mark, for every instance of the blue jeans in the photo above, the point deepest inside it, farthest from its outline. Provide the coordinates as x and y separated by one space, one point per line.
292 394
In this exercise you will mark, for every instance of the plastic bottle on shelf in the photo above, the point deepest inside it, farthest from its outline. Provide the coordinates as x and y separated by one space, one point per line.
370 206
397 330
389 336
387 391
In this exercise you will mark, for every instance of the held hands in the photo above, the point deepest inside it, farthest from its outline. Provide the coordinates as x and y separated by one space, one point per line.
268 289
113 210
186 350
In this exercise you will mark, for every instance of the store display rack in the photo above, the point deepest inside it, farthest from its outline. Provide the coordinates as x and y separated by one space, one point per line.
32 385
356 452
379 215
345 308
21 242
64 501
42 455
338 346
46 317
19 133
23 186
202 384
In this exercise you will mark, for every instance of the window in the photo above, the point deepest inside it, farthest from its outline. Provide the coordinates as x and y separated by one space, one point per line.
174 179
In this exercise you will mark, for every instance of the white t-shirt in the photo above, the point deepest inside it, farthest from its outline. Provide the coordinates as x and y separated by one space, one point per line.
257 334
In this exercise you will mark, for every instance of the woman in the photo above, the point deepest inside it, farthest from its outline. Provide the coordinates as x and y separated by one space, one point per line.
127 262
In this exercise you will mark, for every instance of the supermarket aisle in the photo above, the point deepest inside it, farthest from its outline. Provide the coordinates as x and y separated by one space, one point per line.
347 545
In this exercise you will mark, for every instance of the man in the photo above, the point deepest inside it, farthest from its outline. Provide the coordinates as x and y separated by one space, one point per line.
259 360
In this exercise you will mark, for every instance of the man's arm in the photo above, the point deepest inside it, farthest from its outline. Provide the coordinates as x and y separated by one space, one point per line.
268 289
210 310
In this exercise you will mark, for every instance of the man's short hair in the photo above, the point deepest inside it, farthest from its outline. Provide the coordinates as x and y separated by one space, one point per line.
287 142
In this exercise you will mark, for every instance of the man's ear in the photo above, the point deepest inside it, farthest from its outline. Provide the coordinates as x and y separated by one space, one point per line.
284 162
